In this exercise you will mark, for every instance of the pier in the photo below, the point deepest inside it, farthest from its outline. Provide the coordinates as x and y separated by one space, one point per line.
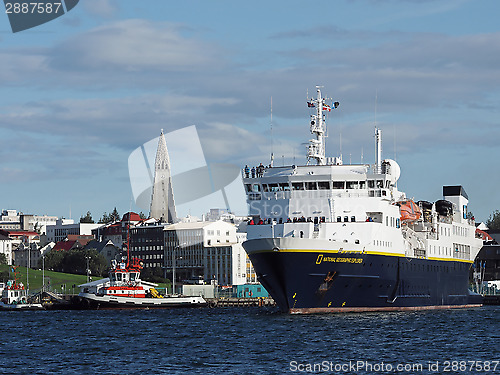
241 302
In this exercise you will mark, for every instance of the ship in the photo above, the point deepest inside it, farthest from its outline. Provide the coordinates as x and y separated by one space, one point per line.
125 289
15 296
333 237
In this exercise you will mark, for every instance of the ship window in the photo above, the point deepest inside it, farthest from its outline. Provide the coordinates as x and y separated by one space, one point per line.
397 223
380 184
351 184
265 188
301 234
248 188
362 184
255 188
274 187
297 186
323 185
371 184
353 218
339 219
284 186
311 185
112 276
119 277
346 219
132 276
338 185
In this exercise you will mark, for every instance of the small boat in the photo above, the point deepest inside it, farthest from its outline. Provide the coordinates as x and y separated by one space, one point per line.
16 297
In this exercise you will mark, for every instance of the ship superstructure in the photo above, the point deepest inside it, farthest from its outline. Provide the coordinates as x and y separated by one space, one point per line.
337 237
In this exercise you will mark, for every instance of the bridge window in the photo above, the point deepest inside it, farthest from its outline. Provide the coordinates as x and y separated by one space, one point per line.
255 188
338 185
371 184
323 185
284 186
352 184
273 187
311 185
297 186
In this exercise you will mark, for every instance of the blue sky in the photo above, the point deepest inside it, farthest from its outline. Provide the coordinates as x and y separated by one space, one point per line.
80 93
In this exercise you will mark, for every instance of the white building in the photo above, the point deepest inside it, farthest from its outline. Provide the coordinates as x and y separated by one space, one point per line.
6 248
9 220
63 227
211 250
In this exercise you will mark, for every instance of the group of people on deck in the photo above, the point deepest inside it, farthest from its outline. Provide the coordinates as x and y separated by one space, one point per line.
254 171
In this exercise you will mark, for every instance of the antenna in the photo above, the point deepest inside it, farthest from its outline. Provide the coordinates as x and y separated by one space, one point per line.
395 142
272 152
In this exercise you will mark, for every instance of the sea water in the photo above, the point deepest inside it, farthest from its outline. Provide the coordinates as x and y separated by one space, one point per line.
249 341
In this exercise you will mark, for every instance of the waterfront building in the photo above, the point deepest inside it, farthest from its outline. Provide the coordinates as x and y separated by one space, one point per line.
147 243
487 263
162 198
204 251
64 227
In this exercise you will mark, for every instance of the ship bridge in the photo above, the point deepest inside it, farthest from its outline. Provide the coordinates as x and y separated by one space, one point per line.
312 192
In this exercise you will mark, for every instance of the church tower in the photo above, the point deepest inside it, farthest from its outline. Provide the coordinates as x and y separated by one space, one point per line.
162 199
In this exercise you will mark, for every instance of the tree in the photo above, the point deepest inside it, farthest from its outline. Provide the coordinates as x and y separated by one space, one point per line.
114 216
493 222
153 274
75 261
104 219
87 218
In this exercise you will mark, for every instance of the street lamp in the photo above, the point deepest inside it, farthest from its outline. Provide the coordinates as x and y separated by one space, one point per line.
43 272
88 268
173 266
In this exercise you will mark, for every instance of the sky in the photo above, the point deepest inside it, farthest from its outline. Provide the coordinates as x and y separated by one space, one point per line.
80 93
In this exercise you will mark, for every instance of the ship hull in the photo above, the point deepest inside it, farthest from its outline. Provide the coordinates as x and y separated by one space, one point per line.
21 306
93 301
325 280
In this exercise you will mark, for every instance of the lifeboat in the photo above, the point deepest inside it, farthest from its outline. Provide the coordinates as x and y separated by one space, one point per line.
444 207
409 211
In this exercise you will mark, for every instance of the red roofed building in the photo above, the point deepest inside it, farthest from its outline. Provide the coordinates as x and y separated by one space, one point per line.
117 232
66 245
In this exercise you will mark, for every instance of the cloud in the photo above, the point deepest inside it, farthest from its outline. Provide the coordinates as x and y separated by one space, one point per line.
101 8
134 46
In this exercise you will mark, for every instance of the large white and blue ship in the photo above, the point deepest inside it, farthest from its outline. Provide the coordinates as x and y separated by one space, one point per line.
330 237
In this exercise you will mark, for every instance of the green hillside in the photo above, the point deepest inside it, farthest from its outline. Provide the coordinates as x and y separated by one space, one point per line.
58 281
55 281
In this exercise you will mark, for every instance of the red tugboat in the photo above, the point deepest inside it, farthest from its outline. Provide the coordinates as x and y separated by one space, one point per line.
125 289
